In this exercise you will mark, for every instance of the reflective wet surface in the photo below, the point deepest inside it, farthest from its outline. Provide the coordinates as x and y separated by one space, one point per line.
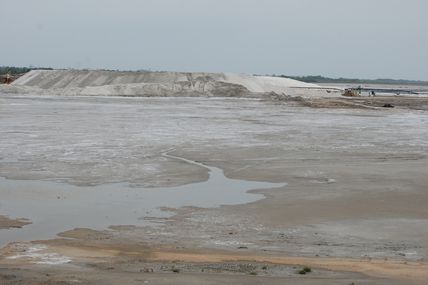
54 207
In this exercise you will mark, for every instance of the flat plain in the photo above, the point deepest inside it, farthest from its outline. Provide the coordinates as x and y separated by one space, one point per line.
348 196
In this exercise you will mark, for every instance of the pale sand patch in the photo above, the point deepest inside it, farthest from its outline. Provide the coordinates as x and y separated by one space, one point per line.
376 268
380 268
36 254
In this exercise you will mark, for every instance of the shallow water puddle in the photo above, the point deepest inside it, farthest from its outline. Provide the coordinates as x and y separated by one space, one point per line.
54 207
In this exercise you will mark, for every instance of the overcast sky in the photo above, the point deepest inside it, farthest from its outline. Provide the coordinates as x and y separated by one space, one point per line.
348 38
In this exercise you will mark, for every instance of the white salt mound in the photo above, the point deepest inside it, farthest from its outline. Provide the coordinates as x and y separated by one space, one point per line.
259 84
101 82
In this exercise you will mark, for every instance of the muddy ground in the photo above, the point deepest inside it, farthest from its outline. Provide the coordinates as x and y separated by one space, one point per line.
353 210
7 223
364 102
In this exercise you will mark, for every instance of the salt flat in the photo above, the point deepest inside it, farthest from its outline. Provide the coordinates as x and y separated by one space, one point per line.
356 179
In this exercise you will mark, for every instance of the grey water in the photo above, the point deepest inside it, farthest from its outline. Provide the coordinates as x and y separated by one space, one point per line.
55 207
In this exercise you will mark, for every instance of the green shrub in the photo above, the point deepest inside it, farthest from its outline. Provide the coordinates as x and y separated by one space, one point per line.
304 270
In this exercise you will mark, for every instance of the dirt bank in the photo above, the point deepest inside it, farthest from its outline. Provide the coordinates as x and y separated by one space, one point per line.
144 261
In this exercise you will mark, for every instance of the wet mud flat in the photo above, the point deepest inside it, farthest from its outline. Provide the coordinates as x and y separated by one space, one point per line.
356 190
7 223
55 207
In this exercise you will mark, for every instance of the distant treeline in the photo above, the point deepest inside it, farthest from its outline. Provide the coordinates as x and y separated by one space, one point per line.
13 70
322 79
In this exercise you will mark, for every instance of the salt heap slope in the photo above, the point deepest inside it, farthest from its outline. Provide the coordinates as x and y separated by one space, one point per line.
105 83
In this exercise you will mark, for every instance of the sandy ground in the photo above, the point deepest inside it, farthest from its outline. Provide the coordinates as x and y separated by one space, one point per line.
354 207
